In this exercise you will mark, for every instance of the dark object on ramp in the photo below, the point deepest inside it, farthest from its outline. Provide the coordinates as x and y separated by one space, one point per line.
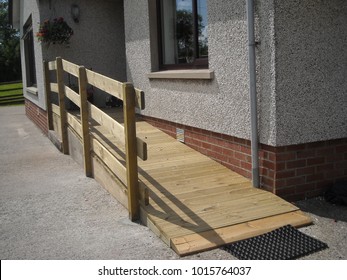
284 243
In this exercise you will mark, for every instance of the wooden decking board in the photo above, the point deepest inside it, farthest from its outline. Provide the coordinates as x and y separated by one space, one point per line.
194 190
199 172
176 183
167 163
201 192
188 168
196 197
195 203
184 167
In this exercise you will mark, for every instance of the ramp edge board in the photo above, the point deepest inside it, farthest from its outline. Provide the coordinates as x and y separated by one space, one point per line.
199 242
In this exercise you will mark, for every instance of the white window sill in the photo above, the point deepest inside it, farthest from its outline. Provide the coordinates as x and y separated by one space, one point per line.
32 90
191 74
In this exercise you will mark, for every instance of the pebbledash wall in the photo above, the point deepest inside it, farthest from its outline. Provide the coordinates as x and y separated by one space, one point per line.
89 46
302 90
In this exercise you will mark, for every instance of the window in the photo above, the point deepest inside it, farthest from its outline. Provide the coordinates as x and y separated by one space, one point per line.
182 34
29 54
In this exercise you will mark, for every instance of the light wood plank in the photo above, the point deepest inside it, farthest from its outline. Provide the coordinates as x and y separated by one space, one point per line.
52 65
82 102
106 84
48 95
200 190
117 131
75 124
110 146
70 68
192 176
55 109
73 96
131 151
140 99
109 160
56 125
141 149
213 198
61 94
144 194
185 169
104 176
171 179
112 126
163 191
54 87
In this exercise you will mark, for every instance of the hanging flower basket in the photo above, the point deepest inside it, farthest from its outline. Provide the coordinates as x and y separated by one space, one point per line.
54 32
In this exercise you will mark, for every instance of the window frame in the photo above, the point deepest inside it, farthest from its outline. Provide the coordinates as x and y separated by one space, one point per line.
29 53
198 63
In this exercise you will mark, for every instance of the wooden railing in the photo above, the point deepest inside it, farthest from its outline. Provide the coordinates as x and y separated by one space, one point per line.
125 134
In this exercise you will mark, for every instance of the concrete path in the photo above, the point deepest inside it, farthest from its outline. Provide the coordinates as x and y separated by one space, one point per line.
50 210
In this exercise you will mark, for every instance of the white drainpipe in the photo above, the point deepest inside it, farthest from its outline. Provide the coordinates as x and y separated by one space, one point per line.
253 93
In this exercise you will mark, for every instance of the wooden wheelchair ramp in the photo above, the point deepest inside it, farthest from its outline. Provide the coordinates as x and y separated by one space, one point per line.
190 201
196 204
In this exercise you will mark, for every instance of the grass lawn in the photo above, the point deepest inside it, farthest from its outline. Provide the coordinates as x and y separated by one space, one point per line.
11 94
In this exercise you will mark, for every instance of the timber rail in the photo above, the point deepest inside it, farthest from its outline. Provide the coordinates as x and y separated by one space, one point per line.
127 172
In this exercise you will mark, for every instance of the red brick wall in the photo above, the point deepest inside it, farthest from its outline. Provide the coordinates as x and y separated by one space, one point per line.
293 172
36 115
306 170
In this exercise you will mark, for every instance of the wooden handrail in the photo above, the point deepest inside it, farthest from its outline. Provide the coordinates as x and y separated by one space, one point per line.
82 85
131 151
133 146
46 67
61 96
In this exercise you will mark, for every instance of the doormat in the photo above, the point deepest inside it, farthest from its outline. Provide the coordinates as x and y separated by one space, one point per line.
285 243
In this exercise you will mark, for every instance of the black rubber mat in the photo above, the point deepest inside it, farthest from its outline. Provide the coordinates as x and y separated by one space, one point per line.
285 243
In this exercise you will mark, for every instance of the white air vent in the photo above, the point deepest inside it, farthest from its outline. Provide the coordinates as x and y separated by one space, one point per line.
180 134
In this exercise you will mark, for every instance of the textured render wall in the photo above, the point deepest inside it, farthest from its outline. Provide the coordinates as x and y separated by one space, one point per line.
266 72
98 40
220 105
97 43
311 70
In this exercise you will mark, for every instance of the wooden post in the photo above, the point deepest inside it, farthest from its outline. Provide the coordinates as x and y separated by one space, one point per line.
61 94
48 96
82 84
131 151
